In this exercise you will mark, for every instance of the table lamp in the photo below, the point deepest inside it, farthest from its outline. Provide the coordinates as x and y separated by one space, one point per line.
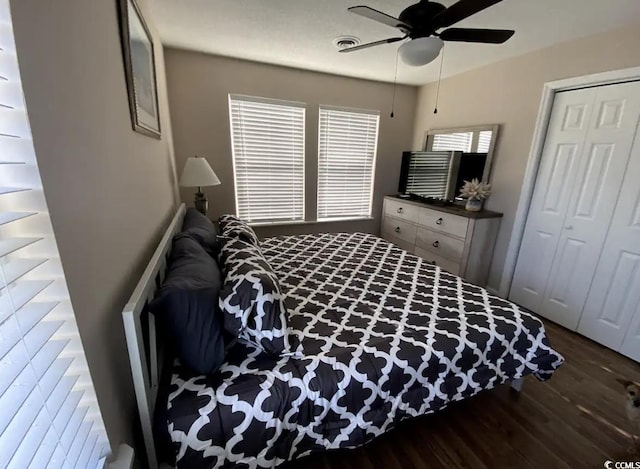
198 173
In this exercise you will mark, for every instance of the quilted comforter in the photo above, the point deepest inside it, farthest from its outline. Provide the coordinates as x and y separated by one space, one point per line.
382 336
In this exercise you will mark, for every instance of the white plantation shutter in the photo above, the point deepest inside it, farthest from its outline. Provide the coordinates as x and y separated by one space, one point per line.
429 174
459 141
347 147
484 141
268 158
49 415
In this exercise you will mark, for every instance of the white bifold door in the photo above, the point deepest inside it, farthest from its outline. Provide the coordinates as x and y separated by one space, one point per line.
579 261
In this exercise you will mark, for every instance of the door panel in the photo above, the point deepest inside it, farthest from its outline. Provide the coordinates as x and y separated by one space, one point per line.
612 313
610 114
620 295
530 279
631 345
560 285
600 175
559 186
566 134
592 187
575 114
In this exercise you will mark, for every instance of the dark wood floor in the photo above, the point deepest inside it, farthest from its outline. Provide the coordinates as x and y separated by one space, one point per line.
576 420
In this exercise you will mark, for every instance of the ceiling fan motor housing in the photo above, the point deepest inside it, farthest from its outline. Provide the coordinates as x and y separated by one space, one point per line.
420 17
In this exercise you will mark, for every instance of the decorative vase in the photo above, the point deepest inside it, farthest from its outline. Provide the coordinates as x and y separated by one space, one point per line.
474 205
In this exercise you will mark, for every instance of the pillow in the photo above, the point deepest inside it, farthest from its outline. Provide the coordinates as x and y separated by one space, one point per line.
232 227
251 298
200 228
187 306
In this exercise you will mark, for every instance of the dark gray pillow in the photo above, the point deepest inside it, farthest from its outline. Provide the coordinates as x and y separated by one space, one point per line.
200 228
187 306
251 298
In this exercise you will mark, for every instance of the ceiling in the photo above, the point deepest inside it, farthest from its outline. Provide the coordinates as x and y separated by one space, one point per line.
300 33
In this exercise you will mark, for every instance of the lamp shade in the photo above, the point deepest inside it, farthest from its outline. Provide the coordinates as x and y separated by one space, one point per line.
420 51
198 173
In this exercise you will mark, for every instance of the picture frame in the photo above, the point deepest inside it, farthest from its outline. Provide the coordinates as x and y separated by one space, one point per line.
140 69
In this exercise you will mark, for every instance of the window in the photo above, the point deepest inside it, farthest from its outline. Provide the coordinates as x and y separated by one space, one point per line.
267 138
468 140
49 415
460 141
347 146
484 141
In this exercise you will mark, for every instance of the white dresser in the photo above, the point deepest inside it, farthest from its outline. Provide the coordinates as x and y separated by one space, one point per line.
458 241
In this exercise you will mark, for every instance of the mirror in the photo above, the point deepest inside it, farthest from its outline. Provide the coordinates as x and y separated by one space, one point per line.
479 140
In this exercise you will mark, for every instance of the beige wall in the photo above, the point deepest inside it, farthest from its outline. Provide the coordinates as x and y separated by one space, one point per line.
199 85
508 93
110 191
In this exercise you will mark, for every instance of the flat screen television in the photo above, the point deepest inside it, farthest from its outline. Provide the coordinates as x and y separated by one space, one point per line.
440 174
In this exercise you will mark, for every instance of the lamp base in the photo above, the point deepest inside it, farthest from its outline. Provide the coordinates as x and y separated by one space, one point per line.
201 203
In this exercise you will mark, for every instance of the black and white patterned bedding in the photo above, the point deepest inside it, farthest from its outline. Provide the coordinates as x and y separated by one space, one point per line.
383 336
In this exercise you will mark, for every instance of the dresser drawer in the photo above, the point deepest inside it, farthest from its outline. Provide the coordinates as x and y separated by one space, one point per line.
398 242
444 222
399 209
400 229
446 264
440 244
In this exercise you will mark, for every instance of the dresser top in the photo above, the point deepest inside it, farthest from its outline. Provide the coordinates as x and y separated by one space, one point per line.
452 209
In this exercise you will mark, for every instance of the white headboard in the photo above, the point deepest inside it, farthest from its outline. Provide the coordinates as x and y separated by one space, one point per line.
145 351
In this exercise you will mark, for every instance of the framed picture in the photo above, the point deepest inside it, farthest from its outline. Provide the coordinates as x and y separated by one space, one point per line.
140 69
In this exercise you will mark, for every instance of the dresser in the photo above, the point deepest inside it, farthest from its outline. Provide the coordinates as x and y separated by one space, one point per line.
455 239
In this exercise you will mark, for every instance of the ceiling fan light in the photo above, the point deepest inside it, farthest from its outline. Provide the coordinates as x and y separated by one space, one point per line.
420 51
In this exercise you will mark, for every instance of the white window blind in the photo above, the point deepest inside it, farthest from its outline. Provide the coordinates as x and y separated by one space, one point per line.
268 158
347 147
484 141
49 415
476 141
429 174
459 141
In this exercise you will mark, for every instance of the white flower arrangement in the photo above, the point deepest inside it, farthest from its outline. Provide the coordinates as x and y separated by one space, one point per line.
475 190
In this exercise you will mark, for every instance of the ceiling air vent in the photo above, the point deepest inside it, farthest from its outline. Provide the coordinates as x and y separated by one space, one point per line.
343 42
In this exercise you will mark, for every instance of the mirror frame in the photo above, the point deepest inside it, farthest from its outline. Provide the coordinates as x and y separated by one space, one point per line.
495 128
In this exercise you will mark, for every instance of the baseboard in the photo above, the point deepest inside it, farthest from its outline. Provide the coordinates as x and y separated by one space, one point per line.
124 458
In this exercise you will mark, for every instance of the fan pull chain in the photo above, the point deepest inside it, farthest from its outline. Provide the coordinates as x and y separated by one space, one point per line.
395 84
435 110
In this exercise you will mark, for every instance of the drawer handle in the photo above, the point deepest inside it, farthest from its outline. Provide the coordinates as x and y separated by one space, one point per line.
397 230
436 244
400 209
439 221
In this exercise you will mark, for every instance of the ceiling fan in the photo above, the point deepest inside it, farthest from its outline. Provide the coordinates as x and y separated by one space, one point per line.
420 24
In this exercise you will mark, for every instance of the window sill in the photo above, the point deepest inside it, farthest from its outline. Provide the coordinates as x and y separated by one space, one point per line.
308 222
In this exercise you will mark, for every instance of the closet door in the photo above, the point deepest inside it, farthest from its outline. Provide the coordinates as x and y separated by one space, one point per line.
575 202
557 175
612 312
600 173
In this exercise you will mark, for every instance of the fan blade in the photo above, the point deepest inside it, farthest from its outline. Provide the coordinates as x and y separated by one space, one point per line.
380 17
372 44
488 36
461 10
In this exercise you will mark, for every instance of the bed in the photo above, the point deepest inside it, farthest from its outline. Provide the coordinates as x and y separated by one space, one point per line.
379 337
